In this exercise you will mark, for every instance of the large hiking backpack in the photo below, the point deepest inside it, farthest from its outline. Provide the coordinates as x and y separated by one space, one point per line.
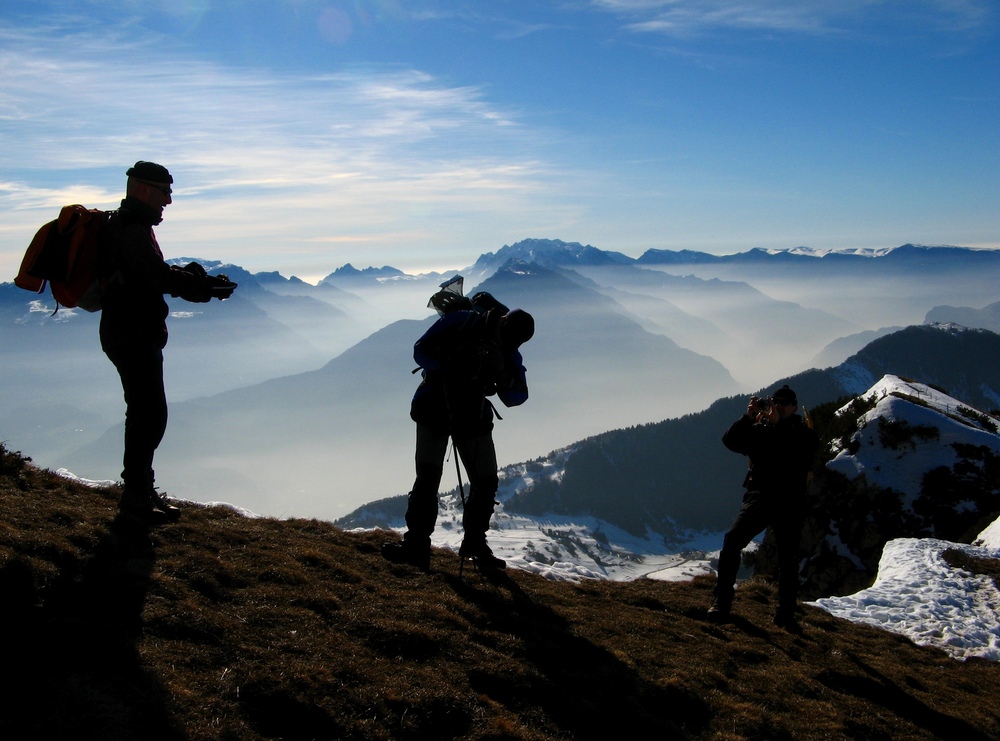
65 254
475 359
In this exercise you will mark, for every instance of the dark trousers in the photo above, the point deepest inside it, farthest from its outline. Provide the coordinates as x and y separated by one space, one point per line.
141 373
479 458
760 511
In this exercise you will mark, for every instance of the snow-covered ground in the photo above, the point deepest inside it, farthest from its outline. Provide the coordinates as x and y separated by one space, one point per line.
916 405
581 548
918 595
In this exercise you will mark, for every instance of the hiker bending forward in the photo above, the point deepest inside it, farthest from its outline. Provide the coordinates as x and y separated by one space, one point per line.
134 328
781 447
466 357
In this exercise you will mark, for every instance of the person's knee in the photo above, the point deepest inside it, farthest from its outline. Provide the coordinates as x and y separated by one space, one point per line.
487 484
733 539
428 476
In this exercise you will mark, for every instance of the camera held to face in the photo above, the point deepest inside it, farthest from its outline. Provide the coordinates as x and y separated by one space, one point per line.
760 409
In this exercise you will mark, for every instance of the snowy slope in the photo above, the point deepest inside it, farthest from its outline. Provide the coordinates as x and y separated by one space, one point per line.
917 593
918 406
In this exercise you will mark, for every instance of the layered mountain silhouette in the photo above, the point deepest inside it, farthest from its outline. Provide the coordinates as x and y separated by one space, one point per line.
987 317
675 476
306 436
309 386
870 288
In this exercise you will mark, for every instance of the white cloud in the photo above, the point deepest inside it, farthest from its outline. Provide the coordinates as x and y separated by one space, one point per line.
319 158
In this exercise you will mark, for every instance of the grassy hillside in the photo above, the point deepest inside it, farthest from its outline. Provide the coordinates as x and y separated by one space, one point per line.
224 627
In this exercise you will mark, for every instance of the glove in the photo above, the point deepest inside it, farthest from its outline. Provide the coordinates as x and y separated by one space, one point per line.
222 287
198 293
445 302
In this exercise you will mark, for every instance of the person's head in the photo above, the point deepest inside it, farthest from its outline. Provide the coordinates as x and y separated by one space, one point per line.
785 402
517 327
150 183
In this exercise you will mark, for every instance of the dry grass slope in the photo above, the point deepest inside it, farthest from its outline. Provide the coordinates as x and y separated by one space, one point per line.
222 627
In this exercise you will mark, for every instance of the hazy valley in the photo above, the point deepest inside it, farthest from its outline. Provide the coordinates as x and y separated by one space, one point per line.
292 399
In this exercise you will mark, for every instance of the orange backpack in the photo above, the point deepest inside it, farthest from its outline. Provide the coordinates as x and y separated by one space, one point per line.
64 253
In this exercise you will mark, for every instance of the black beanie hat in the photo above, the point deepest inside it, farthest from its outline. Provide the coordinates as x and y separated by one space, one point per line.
785 395
150 172
519 327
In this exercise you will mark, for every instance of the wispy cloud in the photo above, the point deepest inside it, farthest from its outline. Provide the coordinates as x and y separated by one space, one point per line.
106 93
693 17
326 156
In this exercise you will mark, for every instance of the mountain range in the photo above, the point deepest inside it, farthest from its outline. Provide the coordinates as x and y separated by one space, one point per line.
292 398
674 477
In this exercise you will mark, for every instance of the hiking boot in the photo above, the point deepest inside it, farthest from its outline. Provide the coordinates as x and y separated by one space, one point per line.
481 554
409 552
137 506
160 503
719 611
786 621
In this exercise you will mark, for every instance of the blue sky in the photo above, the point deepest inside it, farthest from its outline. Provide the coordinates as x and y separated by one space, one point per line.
305 134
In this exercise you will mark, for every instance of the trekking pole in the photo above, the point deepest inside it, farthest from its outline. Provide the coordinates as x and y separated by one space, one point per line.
458 470
461 493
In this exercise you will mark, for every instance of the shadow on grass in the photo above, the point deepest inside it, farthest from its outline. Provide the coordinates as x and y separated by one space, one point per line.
71 658
882 691
587 690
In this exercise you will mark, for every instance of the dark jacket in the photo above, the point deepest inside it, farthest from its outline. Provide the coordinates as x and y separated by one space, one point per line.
781 455
134 313
463 362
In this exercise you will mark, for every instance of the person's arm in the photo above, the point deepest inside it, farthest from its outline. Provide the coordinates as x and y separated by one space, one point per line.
512 388
143 264
738 437
429 351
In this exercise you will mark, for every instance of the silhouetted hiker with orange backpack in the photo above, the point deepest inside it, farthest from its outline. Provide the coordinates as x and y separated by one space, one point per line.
468 355
134 328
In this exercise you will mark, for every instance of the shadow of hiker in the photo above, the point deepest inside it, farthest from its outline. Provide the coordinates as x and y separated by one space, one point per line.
587 690
72 665
719 626
881 691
